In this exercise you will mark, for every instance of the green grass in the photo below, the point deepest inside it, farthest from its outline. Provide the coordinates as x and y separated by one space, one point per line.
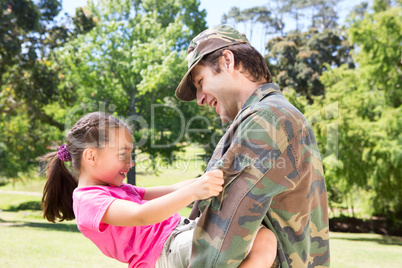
32 184
365 250
28 240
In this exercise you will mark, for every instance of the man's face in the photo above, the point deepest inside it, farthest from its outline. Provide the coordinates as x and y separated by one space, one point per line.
216 90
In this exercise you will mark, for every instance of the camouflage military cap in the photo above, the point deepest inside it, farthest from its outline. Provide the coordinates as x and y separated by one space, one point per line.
204 43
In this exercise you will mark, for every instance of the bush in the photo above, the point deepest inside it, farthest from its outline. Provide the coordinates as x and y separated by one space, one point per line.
30 205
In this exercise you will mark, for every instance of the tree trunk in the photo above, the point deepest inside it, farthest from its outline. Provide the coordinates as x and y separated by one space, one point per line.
131 175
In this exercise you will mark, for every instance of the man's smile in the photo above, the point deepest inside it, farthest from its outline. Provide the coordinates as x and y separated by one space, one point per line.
213 103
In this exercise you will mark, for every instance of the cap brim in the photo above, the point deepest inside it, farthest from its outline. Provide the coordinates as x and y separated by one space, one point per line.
186 91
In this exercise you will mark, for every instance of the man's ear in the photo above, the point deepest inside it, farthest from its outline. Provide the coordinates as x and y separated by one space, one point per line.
88 156
228 60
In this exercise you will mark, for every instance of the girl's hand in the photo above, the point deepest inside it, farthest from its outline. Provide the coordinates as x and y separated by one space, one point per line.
127 213
209 184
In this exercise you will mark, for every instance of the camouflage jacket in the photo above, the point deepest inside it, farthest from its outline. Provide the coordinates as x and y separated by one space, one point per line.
273 174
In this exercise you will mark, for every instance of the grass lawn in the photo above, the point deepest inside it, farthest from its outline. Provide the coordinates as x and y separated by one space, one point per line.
365 250
26 240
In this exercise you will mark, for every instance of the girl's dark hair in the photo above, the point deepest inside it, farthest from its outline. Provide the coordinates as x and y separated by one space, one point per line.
91 131
247 59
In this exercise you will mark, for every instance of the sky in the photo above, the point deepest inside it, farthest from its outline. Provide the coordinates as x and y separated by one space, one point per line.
216 8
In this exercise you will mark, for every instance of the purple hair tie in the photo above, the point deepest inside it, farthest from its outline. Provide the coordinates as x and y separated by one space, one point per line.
63 153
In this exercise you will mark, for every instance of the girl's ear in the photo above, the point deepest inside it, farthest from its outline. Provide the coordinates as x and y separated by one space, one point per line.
88 156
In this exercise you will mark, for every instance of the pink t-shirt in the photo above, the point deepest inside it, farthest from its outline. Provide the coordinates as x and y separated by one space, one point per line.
139 246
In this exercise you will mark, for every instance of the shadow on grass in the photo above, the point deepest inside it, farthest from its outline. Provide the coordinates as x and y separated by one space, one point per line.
384 240
63 227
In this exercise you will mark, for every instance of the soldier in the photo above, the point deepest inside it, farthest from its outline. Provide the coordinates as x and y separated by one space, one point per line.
269 155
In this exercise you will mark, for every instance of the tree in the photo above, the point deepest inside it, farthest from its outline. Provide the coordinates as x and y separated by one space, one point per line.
293 7
367 157
358 12
379 41
131 63
323 14
29 81
186 11
251 17
298 60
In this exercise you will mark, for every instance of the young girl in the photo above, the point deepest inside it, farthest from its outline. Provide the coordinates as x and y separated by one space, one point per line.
115 215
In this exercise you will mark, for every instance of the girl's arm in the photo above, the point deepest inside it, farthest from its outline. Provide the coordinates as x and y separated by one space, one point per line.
158 191
127 213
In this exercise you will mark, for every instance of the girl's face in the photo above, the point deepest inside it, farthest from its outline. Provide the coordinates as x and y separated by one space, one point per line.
114 160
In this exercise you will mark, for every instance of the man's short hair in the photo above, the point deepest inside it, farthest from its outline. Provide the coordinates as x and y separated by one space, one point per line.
247 59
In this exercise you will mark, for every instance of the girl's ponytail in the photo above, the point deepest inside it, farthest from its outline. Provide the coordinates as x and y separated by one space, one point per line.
57 200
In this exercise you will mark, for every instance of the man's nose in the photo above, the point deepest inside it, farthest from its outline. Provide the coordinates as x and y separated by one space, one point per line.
201 98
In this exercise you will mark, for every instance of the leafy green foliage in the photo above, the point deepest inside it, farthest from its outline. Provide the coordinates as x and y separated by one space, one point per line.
367 159
29 81
29 205
299 59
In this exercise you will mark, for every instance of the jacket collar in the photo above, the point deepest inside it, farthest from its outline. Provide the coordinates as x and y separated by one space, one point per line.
259 94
